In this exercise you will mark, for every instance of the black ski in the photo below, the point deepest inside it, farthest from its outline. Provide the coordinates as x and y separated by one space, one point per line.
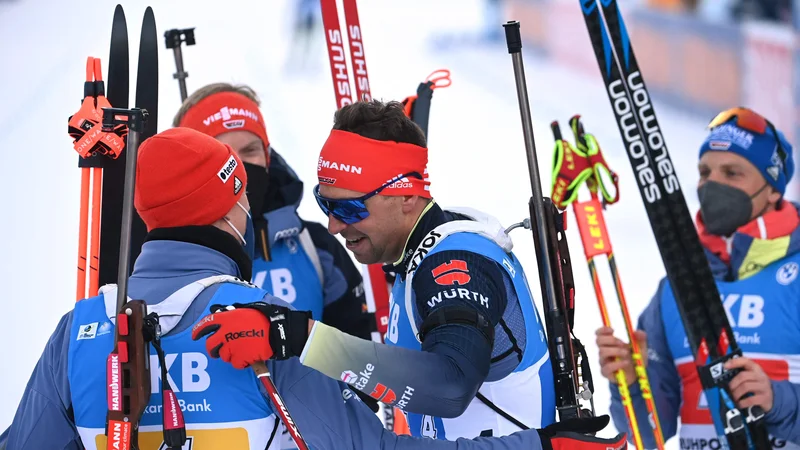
704 318
146 98
114 170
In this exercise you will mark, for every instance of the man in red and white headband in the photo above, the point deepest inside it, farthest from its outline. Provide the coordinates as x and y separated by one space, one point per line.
465 353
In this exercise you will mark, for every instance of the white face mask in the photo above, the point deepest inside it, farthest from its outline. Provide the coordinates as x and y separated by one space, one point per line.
233 227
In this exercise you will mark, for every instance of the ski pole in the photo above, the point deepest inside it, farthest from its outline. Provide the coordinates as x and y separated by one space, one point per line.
173 39
97 190
262 372
83 233
547 226
594 238
93 145
86 187
597 241
418 106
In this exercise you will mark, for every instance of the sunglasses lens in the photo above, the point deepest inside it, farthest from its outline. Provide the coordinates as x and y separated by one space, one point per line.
350 211
347 211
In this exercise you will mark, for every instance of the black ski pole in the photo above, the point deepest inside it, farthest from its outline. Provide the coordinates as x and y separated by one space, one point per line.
174 38
552 254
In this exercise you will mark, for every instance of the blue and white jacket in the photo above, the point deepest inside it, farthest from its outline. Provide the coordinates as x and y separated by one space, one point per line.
756 271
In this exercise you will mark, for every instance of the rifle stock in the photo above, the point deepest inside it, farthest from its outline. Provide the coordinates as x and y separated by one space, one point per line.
128 378
559 317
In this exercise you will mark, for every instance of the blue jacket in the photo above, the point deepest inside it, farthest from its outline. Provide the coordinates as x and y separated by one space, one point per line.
326 411
309 268
482 342
756 271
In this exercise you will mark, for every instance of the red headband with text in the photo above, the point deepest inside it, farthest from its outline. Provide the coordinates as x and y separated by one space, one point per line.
353 162
226 111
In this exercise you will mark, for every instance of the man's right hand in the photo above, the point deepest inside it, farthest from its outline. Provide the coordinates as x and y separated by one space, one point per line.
616 354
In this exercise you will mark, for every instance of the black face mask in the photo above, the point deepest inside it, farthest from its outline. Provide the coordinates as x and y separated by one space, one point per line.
257 184
724 208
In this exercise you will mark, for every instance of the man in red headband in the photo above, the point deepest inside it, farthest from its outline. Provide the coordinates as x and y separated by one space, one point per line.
466 353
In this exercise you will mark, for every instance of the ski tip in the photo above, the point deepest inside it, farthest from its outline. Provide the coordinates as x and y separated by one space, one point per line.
149 33
149 17
119 11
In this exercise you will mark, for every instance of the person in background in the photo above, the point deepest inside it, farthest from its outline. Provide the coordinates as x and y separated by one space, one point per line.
751 236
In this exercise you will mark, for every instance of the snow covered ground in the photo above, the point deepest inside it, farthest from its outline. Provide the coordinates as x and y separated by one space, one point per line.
477 155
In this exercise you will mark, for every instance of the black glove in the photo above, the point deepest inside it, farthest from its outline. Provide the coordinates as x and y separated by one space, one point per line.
575 434
288 329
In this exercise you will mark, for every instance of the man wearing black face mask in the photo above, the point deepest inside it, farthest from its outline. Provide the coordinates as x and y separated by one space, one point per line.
751 235
298 261
295 260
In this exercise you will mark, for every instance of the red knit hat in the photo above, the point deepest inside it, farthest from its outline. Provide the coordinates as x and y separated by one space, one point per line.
185 177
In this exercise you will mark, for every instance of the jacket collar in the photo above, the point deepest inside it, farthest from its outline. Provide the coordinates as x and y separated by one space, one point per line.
204 248
432 216
755 245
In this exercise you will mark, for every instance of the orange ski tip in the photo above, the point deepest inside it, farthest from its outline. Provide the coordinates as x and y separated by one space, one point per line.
440 78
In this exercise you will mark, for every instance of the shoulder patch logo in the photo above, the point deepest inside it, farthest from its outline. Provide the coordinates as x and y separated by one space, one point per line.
451 273
787 273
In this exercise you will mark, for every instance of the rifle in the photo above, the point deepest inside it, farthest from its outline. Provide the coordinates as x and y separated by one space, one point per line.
128 364
571 375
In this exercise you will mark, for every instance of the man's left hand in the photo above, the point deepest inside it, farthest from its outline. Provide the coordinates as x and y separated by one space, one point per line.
751 380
